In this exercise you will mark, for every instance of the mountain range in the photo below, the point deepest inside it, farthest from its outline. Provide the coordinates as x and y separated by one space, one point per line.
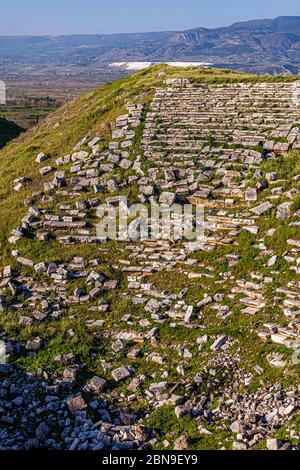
258 46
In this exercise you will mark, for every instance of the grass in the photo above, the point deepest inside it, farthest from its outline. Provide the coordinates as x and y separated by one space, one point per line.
93 115
170 428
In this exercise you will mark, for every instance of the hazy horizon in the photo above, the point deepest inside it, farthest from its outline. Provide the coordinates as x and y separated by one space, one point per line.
31 18
140 32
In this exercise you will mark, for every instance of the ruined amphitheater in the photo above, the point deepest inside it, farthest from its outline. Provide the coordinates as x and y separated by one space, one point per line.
207 145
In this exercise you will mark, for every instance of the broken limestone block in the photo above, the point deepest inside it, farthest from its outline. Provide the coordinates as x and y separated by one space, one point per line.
94 293
40 268
126 144
180 411
284 211
96 385
94 142
42 157
269 145
281 147
34 211
63 160
125 164
251 194
276 360
182 443
120 374
18 187
261 185
93 276
43 236
206 301
98 188
219 343
274 444
239 445
201 341
22 180
14 239
177 82
39 316
25 262
117 346
147 190
118 134
79 156
48 186
272 176
288 410
70 374
134 354
8 271
106 167
262 208
236 427
33 345
167 198
272 261
203 430
253 229
118 201
112 186
156 358
111 285
77 404
152 306
189 314
114 146
52 268
19 182
135 383
45 170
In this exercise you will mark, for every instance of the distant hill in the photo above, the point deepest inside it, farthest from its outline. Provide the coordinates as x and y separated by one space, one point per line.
262 46
8 131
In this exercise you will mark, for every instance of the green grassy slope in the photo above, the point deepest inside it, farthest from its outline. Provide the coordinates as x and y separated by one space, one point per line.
91 114
94 114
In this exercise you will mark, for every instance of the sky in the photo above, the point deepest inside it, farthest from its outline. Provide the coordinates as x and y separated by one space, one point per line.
55 17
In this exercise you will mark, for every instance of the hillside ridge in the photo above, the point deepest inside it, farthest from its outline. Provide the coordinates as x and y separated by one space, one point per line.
161 342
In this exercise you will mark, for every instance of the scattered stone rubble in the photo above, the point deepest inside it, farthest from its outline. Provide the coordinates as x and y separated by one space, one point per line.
204 145
35 414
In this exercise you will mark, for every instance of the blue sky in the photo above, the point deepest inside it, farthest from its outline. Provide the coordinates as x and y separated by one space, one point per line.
107 16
